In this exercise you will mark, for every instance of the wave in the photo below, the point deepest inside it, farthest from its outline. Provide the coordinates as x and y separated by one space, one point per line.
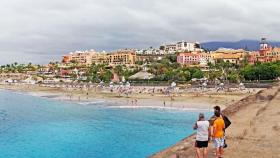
92 102
160 108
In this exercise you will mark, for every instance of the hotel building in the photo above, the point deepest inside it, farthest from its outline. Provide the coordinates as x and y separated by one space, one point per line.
181 46
253 57
194 58
83 58
121 57
234 56
265 54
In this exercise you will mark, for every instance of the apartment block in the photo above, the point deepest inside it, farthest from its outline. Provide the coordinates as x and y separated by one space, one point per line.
181 46
194 58
234 56
86 58
122 57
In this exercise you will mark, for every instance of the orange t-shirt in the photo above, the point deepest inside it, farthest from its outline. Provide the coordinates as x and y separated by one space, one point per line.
219 126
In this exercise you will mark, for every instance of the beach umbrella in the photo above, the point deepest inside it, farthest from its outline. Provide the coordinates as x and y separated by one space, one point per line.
111 84
204 84
101 83
123 79
173 84
127 84
194 79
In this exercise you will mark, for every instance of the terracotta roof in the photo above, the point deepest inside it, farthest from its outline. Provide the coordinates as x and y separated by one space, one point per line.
227 56
276 49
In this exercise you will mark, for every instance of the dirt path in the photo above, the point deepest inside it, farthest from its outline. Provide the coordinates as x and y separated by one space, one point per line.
254 133
257 136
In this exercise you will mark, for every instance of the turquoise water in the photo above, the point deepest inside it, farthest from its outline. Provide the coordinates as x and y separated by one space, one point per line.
34 127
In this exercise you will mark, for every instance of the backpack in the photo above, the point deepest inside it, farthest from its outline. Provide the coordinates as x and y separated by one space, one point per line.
227 121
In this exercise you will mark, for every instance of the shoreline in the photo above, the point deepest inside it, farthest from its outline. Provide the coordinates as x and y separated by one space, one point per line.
199 100
234 105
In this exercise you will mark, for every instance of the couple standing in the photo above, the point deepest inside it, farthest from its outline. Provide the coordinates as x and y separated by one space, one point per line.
217 133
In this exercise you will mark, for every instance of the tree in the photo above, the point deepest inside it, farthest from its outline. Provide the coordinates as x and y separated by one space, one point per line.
106 76
234 77
172 58
197 74
261 71
119 70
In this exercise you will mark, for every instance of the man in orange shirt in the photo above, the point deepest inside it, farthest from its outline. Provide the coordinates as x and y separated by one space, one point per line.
218 134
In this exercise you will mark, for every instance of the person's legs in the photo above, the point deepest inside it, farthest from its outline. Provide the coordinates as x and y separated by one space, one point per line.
218 146
217 153
205 152
198 154
221 150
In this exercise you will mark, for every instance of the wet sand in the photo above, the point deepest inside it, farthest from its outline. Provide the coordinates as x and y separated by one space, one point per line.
202 100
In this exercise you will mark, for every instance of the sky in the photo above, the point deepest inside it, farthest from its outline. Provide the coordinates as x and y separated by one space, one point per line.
40 31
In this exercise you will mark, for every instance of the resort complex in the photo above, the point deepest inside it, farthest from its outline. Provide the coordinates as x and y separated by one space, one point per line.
172 62
139 79
92 97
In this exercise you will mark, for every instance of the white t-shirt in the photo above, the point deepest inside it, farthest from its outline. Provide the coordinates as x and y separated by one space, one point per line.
202 130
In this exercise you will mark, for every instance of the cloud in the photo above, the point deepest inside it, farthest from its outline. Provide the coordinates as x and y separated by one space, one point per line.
43 30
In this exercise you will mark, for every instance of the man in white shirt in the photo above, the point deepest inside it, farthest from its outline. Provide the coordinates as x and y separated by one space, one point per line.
202 128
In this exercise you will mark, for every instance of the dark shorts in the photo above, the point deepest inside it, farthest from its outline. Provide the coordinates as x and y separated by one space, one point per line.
201 144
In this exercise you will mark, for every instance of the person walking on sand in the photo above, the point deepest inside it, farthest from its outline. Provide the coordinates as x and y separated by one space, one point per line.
226 121
202 128
218 134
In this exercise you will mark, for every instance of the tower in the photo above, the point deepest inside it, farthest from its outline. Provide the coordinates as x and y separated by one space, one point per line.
263 44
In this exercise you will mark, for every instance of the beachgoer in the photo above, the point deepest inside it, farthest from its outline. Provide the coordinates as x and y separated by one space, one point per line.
226 121
202 128
218 134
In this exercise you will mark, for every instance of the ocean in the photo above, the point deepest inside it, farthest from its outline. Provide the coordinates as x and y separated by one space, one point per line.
36 127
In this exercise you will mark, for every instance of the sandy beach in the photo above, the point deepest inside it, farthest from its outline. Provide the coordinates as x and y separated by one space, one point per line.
254 132
188 100
254 114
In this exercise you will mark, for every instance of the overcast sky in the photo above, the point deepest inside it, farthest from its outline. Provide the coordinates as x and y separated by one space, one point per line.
39 31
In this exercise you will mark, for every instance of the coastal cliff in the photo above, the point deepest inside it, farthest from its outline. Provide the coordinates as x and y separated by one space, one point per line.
253 133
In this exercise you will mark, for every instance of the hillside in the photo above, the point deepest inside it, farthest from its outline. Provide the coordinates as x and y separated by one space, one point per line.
250 45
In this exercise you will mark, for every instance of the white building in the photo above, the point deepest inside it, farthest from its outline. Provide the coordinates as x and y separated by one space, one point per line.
181 46
169 48
149 51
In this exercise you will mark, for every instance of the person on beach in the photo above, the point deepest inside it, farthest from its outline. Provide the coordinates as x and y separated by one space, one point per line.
226 121
202 128
218 134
